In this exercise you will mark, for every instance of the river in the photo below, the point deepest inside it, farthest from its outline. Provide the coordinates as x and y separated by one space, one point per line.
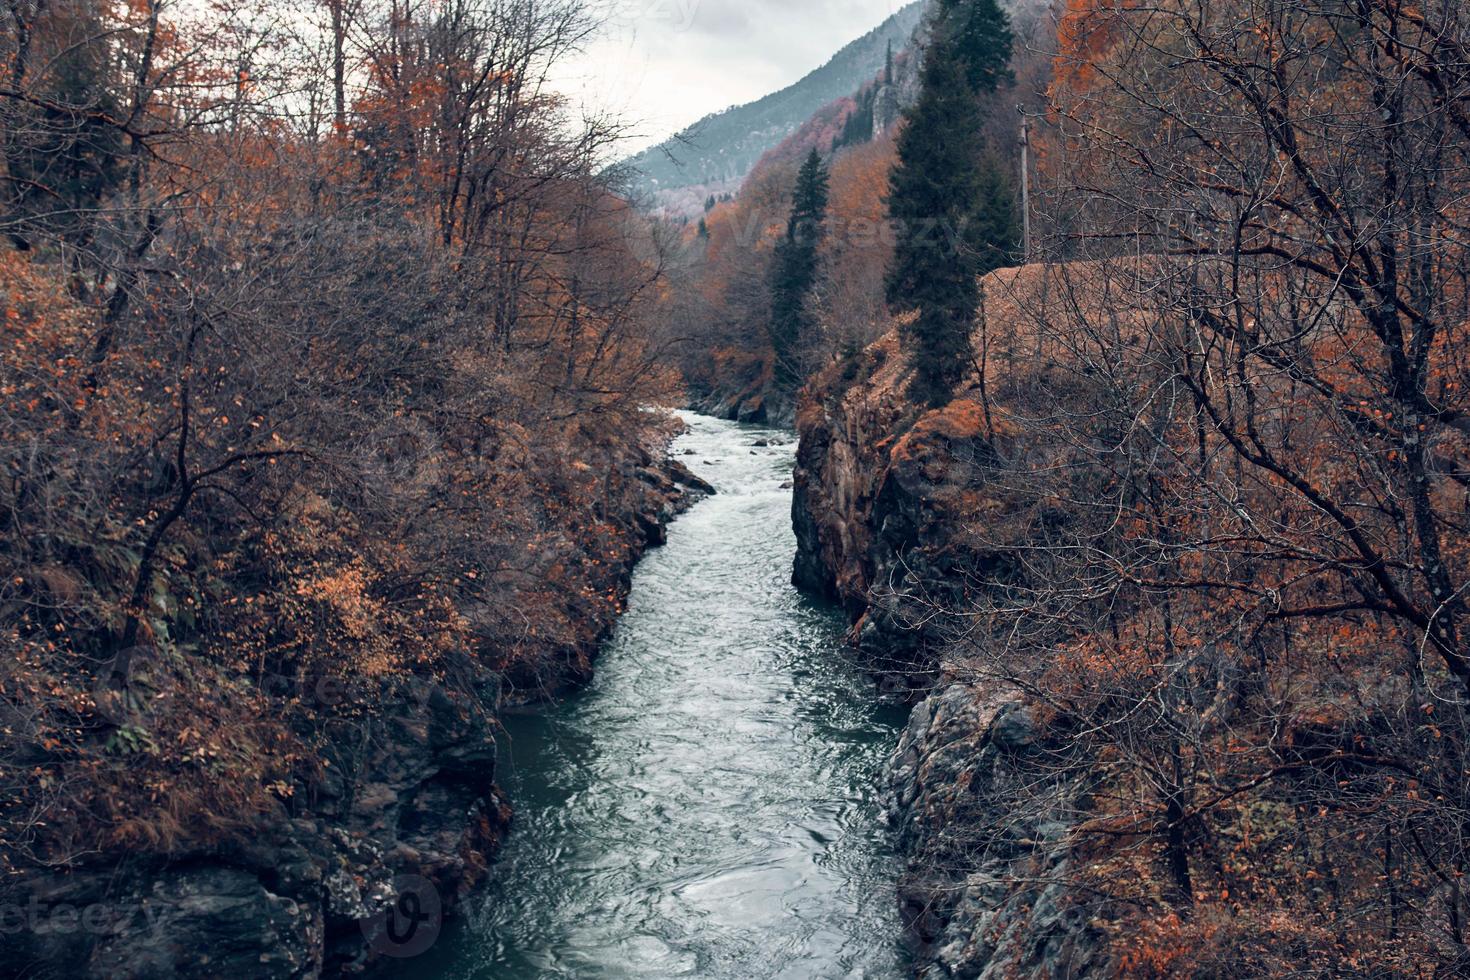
709 806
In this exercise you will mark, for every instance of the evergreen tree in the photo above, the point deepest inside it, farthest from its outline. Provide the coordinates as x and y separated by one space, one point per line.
794 271
978 33
953 208
703 229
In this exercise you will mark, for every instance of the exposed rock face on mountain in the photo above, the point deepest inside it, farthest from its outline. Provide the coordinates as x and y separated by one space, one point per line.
717 152
888 103
884 494
406 810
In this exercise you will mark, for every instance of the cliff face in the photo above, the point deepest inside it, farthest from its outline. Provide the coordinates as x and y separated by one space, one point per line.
405 817
883 496
983 822
844 424
416 812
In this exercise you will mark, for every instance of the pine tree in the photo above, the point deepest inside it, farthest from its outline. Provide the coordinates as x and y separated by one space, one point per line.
794 271
931 195
978 33
952 207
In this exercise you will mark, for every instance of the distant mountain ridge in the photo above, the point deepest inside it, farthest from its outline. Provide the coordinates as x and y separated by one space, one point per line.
717 152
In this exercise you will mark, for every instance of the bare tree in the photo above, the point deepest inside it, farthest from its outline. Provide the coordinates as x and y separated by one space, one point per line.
1231 491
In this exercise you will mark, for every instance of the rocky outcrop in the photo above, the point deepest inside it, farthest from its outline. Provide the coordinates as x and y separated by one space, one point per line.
382 836
881 496
983 811
983 794
751 407
405 802
736 385
674 488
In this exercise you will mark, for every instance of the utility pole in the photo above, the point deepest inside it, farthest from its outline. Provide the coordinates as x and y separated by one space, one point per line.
1025 186
1026 208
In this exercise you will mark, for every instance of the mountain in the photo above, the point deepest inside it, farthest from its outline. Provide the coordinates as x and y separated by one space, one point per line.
715 154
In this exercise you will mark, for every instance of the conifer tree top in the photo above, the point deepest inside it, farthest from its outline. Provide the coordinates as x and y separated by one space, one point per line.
976 34
809 200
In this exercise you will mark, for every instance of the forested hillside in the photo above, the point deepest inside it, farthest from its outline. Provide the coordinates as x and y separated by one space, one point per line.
723 276
715 154
322 432
1127 350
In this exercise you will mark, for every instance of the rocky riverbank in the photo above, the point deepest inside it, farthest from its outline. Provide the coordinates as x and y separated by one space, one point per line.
884 494
983 817
737 386
666 489
400 823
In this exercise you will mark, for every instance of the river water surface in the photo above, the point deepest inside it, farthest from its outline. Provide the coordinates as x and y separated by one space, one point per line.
709 806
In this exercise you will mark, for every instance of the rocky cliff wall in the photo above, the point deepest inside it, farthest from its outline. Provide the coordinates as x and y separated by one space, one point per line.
982 812
364 860
736 385
884 494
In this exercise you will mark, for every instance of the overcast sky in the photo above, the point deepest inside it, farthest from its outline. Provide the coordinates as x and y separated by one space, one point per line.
663 64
